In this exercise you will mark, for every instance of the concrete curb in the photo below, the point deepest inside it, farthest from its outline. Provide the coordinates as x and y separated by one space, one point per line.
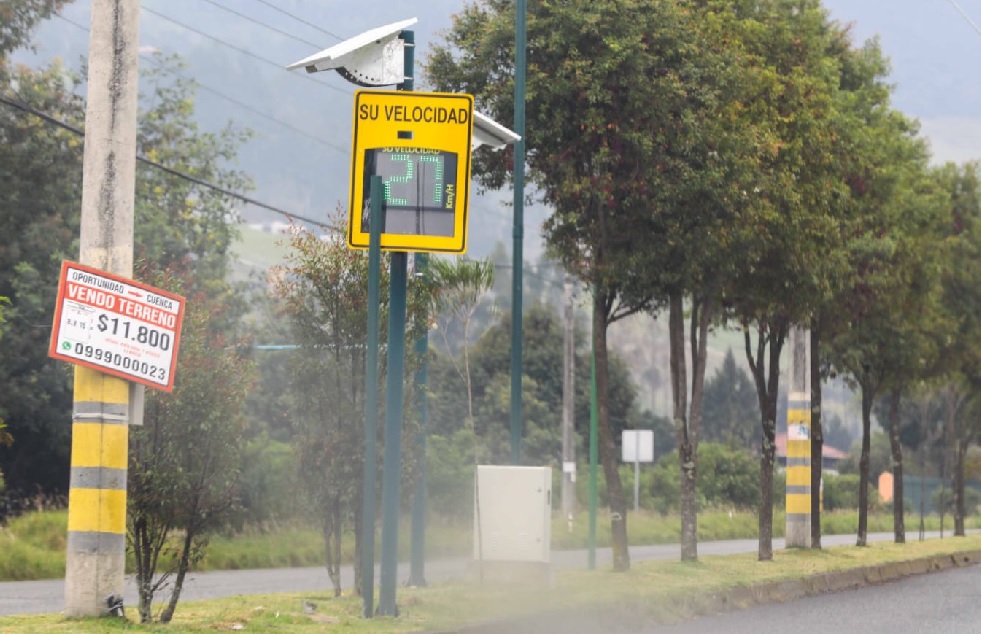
625 617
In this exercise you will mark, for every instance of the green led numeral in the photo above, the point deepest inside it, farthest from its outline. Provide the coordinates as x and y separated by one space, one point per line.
437 178
409 173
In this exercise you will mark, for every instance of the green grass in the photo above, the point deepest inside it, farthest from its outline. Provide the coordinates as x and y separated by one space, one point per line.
33 545
663 591
258 251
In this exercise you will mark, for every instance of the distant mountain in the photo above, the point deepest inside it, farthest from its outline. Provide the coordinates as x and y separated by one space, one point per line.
934 51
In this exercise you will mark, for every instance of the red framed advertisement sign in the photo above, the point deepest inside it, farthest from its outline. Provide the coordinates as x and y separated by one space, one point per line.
117 325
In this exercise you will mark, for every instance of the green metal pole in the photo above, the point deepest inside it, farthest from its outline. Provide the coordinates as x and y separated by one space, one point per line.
517 283
417 561
371 405
392 476
593 459
392 470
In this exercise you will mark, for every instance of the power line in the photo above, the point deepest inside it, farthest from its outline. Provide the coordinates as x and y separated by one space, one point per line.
241 104
169 170
72 22
243 51
263 24
299 19
259 113
966 17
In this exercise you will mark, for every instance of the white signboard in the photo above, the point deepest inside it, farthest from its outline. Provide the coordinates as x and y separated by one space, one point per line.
638 445
117 326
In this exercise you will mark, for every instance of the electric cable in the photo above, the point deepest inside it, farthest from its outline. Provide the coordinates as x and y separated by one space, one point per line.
169 170
243 51
299 19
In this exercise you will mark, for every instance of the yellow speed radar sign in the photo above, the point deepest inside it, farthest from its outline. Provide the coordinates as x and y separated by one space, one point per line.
420 144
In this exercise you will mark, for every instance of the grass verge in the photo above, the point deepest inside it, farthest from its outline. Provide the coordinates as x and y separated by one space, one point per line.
33 545
664 590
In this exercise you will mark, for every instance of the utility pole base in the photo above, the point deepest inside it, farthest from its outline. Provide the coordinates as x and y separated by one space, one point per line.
90 578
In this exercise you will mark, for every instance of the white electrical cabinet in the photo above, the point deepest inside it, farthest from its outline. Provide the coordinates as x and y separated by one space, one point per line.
512 514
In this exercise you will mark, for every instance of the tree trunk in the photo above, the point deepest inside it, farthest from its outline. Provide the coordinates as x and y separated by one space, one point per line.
960 451
332 546
817 434
863 465
144 570
358 523
898 500
183 564
687 456
607 443
766 374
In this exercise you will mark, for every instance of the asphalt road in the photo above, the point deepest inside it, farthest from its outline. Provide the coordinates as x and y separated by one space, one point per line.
48 596
941 603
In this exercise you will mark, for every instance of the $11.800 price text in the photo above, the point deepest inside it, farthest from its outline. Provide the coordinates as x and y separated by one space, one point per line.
141 334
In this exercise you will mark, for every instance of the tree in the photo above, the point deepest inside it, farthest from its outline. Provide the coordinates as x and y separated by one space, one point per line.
18 19
323 288
962 301
788 235
608 106
177 219
40 186
3 300
461 286
892 298
731 408
184 461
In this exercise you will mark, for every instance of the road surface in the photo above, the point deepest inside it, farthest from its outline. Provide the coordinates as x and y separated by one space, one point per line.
48 596
940 603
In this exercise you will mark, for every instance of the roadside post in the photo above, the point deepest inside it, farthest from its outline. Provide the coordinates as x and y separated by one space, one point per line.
96 548
418 145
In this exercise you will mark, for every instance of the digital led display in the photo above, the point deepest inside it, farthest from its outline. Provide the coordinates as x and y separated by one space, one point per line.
419 188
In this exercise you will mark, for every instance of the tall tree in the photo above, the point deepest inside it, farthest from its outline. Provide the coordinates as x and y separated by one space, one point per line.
617 95
40 185
322 285
788 236
731 412
892 300
961 351
462 285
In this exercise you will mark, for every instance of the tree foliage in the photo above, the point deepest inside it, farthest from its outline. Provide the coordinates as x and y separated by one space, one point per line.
40 198
462 285
323 287
184 461
40 186
731 412
605 135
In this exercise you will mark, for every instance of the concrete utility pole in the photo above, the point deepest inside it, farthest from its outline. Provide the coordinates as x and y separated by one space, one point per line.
799 442
96 552
568 401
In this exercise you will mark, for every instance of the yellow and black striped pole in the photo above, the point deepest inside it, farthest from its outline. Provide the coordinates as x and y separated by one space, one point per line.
799 444
97 493
96 552
799 470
